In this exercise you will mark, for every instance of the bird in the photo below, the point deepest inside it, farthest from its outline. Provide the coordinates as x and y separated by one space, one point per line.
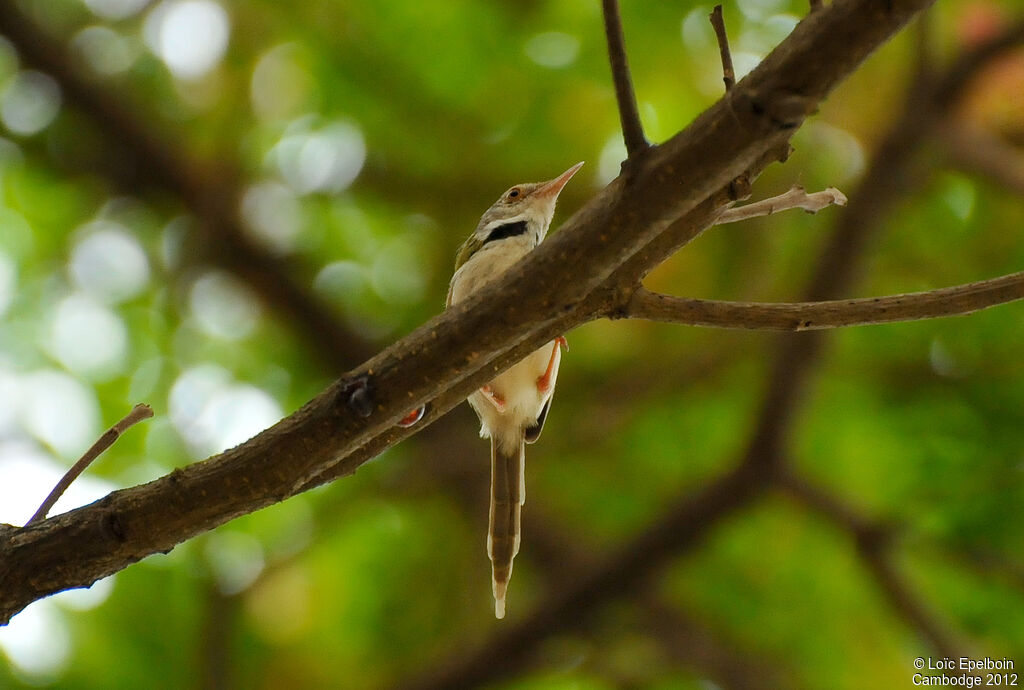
512 406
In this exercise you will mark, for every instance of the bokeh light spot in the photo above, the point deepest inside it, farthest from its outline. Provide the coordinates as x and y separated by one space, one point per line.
610 162
27 474
38 643
323 160
8 281
552 49
109 263
213 413
60 411
236 559
88 338
115 9
273 214
190 36
29 103
223 307
106 51
280 86
397 274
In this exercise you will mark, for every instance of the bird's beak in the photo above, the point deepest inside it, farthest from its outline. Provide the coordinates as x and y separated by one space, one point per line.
553 187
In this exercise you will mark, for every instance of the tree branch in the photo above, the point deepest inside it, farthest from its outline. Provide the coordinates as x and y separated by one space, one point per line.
803 316
632 127
718 23
762 458
138 413
796 197
451 355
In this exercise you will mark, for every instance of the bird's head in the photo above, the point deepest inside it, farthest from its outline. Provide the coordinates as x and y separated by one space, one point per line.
525 209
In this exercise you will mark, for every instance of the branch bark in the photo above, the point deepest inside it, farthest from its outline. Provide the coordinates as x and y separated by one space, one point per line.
804 316
454 353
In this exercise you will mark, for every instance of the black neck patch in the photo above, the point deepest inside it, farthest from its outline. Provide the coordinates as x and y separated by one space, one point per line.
507 230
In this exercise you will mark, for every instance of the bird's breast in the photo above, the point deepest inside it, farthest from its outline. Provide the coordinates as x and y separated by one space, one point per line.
489 263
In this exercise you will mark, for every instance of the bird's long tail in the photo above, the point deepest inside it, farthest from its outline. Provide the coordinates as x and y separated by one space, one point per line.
507 497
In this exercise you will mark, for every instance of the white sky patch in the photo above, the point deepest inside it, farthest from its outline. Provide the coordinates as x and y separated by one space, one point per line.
223 307
109 263
29 103
88 338
552 49
190 36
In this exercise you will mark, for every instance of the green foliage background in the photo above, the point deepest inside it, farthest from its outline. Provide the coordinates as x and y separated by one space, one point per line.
384 575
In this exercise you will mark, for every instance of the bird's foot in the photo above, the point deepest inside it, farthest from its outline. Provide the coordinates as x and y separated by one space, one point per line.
544 380
496 400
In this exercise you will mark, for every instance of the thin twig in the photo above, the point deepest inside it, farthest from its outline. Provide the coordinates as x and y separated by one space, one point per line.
718 22
809 316
796 197
138 413
632 128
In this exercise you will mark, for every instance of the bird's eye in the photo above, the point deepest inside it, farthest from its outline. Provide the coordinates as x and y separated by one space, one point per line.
513 193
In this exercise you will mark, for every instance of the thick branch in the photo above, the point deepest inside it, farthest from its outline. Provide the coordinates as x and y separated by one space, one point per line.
632 127
803 316
762 458
456 352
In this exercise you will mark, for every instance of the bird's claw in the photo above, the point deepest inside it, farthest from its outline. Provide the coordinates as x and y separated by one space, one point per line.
544 380
496 400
